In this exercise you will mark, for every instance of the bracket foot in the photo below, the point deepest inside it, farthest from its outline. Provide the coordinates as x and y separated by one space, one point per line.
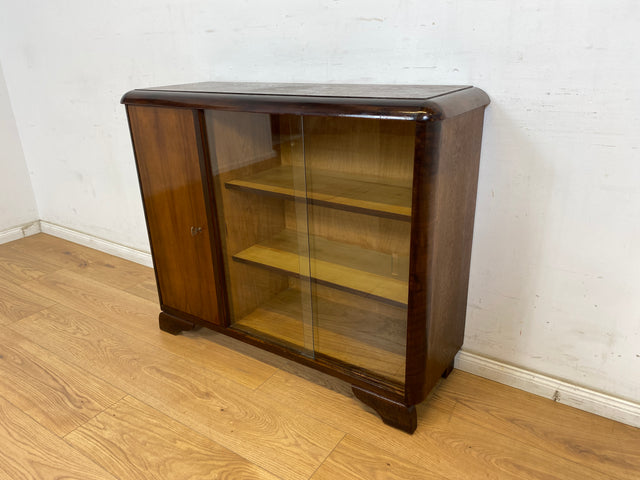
393 413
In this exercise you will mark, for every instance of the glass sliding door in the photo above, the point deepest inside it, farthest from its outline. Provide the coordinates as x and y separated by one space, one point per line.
257 163
315 217
359 176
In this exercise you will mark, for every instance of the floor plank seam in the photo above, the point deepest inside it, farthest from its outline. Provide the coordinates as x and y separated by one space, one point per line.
100 412
226 445
81 367
101 467
27 316
137 338
259 387
537 443
327 456
193 361
50 431
201 434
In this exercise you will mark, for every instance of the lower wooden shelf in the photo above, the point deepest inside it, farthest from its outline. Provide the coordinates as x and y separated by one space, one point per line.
354 334
346 267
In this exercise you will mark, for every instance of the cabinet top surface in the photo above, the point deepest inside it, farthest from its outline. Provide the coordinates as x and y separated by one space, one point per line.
417 92
404 102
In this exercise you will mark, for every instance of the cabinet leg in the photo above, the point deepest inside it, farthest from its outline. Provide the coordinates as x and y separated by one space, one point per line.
447 371
173 325
393 413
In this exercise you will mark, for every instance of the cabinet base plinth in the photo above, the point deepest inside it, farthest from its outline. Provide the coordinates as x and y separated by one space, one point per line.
395 414
447 371
173 325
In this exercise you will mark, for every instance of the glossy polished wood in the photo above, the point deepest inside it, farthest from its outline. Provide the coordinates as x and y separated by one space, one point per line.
349 91
396 414
172 324
368 198
442 232
170 179
399 102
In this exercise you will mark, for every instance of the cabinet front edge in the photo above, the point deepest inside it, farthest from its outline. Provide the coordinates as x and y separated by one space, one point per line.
433 109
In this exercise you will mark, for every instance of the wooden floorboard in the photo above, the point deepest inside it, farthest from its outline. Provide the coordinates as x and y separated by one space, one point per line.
356 459
139 318
17 302
610 449
274 436
91 388
134 440
146 289
30 451
445 442
18 266
59 395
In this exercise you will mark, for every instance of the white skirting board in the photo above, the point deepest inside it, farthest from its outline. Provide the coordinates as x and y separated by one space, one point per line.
558 390
112 248
17 233
564 392
106 246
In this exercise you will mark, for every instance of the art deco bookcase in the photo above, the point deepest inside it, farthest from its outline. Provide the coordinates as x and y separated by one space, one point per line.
330 224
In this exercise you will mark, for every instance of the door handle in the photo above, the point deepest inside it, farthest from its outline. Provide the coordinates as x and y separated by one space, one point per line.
195 231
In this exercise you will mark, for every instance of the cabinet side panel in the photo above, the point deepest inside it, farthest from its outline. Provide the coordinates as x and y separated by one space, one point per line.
425 171
166 149
452 236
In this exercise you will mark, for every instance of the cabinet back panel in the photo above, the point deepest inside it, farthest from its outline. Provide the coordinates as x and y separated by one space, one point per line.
361 146
367 231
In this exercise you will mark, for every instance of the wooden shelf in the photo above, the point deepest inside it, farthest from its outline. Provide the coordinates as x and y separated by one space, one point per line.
346 267
354 334
357 193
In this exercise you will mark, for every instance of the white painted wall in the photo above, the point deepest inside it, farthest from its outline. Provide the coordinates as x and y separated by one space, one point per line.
556 260
17 203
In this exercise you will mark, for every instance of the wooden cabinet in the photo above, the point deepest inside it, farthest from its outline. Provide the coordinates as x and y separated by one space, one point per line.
331 224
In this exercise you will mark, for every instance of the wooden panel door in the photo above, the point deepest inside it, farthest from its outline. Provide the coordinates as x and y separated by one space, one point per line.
166 148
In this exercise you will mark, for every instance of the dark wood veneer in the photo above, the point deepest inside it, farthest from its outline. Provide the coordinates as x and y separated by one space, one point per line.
181 187
173 324
333 90
433 105
215 235
170 178
393 413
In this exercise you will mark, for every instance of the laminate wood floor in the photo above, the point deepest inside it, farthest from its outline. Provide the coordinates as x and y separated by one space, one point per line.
90 388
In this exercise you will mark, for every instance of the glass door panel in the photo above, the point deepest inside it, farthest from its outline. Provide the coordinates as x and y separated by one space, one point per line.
258 170
315 220
359 176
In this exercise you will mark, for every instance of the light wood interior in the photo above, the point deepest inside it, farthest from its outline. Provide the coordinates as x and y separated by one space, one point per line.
340 265
90 388
308 204
359 193
367 231
379 347
361 147
240 145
